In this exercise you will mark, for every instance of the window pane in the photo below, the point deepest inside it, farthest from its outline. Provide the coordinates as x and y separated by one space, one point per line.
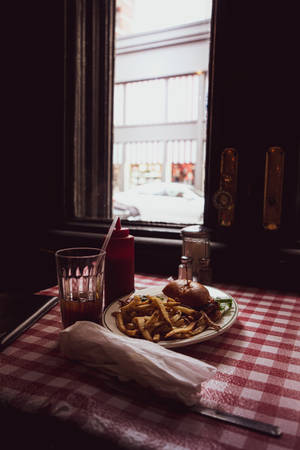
119 104
155 181
139 16
183 98
162 53
145 102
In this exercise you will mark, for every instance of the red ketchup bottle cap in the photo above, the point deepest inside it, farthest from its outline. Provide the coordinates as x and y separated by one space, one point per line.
120 232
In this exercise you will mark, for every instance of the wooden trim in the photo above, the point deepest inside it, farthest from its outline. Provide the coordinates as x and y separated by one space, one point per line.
89 82
251 108
230 123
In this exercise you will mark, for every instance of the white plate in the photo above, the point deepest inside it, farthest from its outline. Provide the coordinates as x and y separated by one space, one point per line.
226 322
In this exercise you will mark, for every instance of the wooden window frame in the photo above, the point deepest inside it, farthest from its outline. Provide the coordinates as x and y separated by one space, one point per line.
89 69
245 252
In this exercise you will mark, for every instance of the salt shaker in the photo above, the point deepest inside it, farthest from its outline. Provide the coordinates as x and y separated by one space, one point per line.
185 271
196 245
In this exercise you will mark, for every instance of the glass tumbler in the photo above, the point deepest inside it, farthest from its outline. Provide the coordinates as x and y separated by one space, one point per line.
80 275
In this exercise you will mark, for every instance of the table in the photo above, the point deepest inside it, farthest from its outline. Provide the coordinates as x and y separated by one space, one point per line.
258 362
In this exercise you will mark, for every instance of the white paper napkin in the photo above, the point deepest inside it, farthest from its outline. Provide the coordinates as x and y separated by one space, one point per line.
169 373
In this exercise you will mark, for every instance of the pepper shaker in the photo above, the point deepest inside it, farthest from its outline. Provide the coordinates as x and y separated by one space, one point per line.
196 245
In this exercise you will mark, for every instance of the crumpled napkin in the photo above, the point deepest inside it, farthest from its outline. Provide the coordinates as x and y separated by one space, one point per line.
169 373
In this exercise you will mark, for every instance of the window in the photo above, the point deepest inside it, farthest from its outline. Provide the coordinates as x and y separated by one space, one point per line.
253 94
159 114
160 101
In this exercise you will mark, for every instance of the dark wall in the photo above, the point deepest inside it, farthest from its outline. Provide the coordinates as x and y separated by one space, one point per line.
32 122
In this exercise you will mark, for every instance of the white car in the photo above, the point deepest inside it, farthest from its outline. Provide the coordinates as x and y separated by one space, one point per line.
164 202
125 211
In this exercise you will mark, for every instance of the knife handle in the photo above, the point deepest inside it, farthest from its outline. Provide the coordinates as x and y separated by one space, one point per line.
14 334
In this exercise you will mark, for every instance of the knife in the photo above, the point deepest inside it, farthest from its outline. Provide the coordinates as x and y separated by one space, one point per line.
262 427
14 334
135 391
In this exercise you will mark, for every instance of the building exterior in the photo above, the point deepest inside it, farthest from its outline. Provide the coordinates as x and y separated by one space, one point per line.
166 71
124 16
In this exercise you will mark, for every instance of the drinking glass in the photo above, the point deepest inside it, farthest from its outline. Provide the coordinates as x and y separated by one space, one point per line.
80 275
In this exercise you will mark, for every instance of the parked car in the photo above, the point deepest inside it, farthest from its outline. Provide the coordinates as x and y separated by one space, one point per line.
164 202
125 211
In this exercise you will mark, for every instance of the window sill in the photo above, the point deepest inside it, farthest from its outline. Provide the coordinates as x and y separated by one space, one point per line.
153 255
158 251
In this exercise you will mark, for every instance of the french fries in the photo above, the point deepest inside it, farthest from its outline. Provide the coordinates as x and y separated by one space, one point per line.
158 318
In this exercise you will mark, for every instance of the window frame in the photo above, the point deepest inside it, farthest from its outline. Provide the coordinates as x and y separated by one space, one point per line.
269 255
89 65
227 121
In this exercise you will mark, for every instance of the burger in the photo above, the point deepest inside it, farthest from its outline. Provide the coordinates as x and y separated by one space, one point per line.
195 295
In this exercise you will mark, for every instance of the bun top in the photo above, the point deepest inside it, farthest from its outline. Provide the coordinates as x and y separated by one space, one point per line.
191 293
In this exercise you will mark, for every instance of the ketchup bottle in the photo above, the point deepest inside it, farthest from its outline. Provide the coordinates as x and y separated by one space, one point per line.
119 264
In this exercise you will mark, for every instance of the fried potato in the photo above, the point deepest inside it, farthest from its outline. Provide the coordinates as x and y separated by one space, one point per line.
157 318
210 322
185 310
182 330
140 321
174 319
158 302
152 320
121 326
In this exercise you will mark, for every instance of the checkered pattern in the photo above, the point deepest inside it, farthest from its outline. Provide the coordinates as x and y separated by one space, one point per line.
258 376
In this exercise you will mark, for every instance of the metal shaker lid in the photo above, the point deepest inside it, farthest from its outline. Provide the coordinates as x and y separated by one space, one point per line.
196 231
186 259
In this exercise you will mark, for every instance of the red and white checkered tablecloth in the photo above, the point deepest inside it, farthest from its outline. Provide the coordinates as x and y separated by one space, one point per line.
258 362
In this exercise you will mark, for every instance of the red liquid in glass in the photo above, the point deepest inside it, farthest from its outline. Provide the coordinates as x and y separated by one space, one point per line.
77 309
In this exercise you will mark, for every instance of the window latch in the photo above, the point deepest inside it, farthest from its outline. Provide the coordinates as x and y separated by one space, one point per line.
224 198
